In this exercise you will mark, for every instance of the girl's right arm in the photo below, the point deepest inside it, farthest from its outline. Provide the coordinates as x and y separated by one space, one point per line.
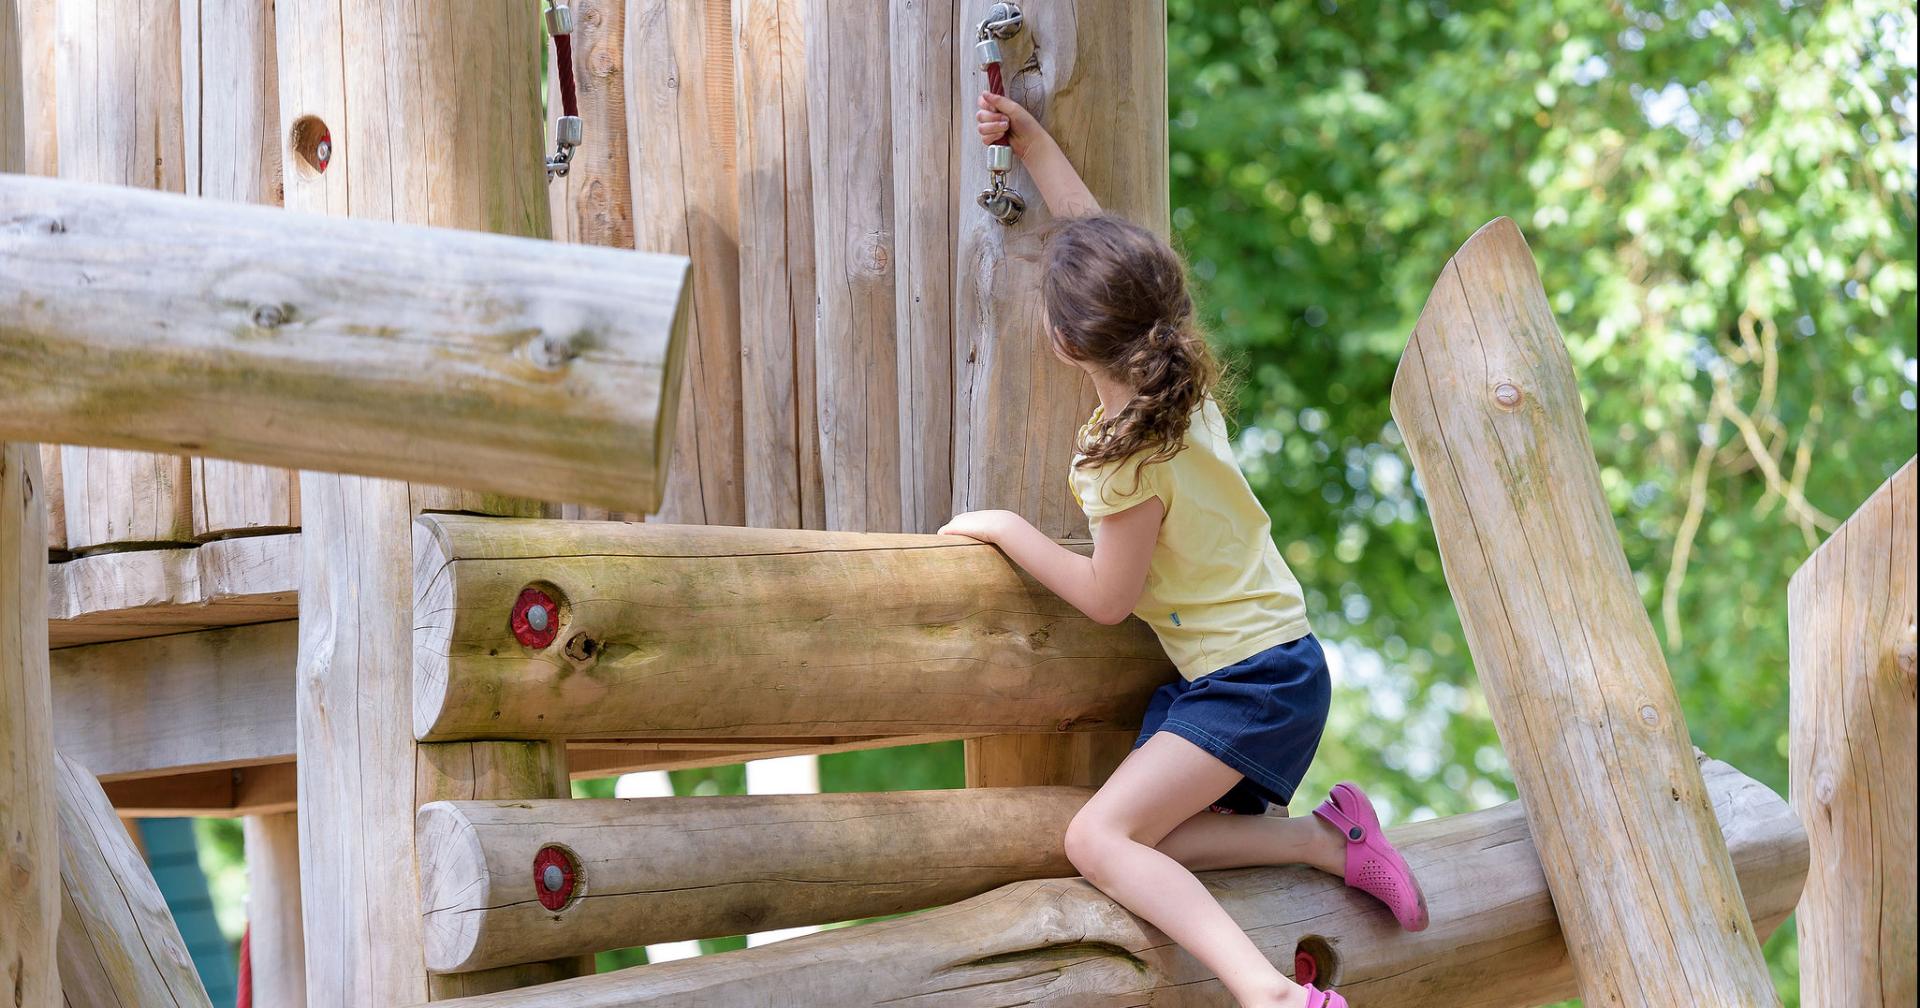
1060 185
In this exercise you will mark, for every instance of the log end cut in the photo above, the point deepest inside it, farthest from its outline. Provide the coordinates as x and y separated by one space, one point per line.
432 622
455 885
1498 239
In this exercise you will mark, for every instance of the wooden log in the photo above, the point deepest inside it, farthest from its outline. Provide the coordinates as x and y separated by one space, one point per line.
119 121
27 112
29 842
196 701
650 870
606 758
1494 942
147 593
1096 76
276 942
1851 753
695 632
1486 399
265 789
231 104
779 422
56 499
1077 759
118 942
855 356
680 130
493 362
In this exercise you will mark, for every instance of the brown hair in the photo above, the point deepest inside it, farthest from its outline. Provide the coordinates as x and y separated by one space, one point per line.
1116 298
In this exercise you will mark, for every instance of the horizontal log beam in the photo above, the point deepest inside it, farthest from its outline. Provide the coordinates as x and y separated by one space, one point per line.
194 701
715 633
167 323
146 593
268 789
605 758
654 870
1494 942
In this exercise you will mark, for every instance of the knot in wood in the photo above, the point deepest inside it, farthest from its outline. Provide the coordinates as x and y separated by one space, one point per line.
269 316
1823 788
873 254
1904 656
1507 394
550 352
1649 715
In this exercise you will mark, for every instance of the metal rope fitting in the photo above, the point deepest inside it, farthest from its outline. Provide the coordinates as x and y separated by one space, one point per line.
568 130
999 200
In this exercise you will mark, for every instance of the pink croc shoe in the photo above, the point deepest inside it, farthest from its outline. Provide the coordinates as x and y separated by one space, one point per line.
1373 866
1324 998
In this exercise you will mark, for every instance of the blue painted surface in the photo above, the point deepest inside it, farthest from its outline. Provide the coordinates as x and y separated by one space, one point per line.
174 857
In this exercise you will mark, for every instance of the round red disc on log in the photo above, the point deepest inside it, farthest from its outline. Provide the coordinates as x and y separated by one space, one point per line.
553 876
536 618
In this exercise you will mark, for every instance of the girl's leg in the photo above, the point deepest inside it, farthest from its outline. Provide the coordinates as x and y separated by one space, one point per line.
1210 841
1111 841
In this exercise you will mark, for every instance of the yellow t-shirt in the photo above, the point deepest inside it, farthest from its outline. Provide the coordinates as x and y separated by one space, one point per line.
1217 591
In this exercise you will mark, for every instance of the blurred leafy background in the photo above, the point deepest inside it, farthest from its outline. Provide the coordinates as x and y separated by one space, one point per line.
1721 199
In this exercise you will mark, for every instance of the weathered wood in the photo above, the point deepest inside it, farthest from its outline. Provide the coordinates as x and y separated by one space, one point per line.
29 842
680 130
147 593
1486 399
199 701
701 632
266 789
447 135
1077 759
607 757
1851 753
56 498
492 362
593 203
779 422
667 869
1095 73
276 942
1494 942
118 942
119 121
27 113
855 369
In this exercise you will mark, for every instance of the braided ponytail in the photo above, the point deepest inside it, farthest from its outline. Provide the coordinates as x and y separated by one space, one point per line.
1116 297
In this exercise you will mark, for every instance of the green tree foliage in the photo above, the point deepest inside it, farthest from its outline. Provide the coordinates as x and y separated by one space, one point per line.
1721 199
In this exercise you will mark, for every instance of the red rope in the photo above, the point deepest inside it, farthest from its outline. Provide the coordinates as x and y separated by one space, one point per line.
996 86
563 57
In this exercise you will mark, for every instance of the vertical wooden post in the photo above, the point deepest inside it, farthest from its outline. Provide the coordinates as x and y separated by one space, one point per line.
117 87
276 941
1580 693
230 104
779 425
119 944
680 141
1851 754
447 134
29 839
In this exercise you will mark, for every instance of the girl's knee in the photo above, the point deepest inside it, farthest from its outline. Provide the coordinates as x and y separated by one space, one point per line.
1088 840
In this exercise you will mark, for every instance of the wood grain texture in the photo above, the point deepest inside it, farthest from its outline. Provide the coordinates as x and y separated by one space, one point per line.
148 593
778 415
444 133
29 840
276 941
702 632
1851 753
610 757
118 121
593 203
855 352
1095 74
1486 399
192 701
1077 759
267 789
669 869
27 114
119 945
680 141
1494 942
384 349
56 498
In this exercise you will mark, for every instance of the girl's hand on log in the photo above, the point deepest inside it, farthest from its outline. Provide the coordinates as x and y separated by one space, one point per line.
999 115
986 526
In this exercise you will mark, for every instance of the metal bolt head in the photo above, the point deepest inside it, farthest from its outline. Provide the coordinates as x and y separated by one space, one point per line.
552 878
323 151
267 316
537 617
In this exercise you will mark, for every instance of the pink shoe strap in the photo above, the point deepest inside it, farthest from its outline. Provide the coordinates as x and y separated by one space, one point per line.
1346 824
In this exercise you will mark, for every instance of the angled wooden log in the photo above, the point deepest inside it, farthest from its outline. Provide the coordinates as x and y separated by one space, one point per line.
29 840
1494 942
1486 399
1851 753
491 362
645 870
118 942
690 631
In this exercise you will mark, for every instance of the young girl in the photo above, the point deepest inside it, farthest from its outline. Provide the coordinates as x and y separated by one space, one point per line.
1181 542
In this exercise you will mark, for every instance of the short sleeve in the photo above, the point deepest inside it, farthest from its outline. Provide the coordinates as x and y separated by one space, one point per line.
1116 486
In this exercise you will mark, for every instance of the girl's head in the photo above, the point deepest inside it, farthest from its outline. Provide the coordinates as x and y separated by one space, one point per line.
1116 301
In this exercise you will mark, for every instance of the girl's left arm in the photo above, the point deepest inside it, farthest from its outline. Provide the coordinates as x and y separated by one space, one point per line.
1107 585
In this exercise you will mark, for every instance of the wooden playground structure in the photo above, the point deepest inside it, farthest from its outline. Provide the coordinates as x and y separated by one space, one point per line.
347 418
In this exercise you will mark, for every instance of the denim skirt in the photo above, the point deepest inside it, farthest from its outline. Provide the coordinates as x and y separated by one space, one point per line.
1261 716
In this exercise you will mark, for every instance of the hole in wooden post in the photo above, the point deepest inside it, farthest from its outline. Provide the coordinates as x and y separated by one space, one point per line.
312 144
1314 962
581 647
